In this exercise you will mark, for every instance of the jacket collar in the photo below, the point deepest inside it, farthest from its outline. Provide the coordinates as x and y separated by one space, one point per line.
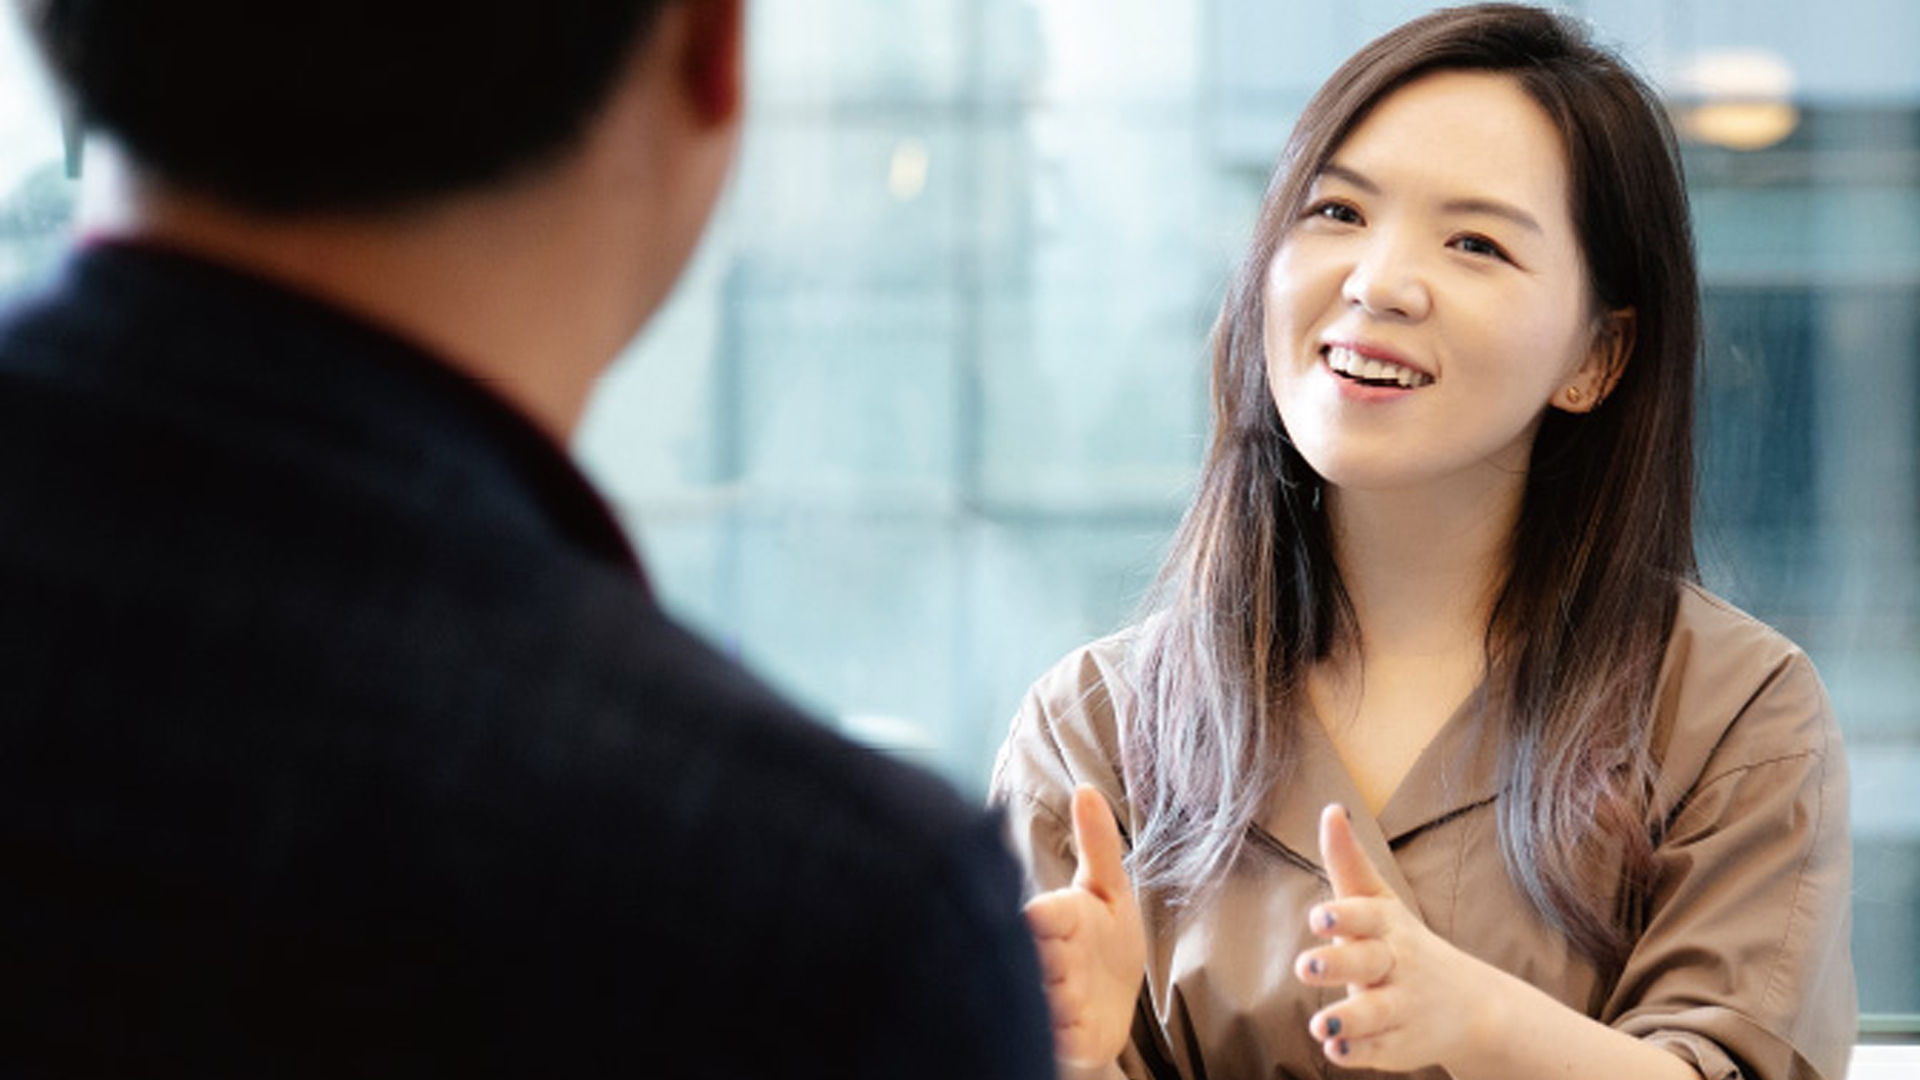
213 335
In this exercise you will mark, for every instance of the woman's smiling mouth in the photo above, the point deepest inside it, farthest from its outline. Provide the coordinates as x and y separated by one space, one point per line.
1372 371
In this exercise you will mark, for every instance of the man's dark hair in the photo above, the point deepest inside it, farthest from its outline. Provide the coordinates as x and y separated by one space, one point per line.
338 104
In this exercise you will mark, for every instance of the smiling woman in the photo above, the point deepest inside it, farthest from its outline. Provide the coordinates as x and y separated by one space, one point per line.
1439 571
1422 315
1433 301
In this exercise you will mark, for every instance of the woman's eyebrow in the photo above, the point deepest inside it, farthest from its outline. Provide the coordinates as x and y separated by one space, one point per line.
1477 205
1337 171
1495 208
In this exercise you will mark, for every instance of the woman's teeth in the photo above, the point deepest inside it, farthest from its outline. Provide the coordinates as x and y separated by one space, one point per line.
1373 371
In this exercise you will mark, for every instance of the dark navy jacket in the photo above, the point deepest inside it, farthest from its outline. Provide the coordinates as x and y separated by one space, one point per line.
340 736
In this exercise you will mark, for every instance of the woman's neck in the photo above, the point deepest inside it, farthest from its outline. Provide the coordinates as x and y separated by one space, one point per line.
1423 568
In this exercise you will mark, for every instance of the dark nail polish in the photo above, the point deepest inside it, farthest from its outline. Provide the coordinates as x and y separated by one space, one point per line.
1342 1047
1317 966
1333 1025
1326 920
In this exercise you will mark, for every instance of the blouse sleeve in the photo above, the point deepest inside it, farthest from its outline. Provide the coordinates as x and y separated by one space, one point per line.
1744 967
1063 736
1034 789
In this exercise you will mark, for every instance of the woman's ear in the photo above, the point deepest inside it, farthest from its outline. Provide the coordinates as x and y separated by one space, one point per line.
1606 361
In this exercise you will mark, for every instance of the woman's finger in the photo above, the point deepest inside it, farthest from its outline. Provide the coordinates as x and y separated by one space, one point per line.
1359 1016
1354 918
1361 1051
1055 915
1066 1003
1102 869
1348 869
1365 962
1057 961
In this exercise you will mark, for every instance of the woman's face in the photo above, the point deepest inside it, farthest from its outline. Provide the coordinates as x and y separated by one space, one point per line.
1431 303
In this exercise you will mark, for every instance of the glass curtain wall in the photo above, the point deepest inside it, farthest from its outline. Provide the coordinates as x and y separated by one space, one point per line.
924 414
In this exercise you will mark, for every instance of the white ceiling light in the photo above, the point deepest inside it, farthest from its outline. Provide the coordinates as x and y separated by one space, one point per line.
1741 99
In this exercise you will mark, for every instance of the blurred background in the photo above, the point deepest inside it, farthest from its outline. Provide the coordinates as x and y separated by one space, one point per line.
928 407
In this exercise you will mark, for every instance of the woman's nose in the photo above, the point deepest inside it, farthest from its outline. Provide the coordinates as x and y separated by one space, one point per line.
1387 281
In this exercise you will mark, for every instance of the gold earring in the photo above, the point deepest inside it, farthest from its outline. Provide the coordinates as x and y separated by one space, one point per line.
1573 395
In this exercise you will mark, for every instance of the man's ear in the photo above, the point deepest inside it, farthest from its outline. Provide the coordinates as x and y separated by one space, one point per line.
1606 361
713 59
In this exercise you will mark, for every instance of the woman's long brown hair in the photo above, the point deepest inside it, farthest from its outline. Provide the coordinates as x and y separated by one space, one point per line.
1250 597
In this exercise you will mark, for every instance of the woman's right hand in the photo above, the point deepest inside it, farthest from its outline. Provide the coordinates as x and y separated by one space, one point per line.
1093 949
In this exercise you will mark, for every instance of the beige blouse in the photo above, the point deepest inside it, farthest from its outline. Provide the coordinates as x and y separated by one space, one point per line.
1743 968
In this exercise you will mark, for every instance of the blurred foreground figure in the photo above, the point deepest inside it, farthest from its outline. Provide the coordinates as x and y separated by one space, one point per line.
341 736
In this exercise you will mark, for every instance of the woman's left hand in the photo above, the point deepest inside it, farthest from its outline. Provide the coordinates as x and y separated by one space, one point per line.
1413 1000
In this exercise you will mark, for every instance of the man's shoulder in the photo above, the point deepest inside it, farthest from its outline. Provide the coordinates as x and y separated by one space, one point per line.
389 718
762 845
666 677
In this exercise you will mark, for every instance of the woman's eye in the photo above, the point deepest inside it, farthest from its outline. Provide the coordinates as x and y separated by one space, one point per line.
1480 245
1335 211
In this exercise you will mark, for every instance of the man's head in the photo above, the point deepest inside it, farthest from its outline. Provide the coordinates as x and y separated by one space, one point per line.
514 186
339 105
